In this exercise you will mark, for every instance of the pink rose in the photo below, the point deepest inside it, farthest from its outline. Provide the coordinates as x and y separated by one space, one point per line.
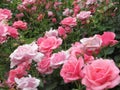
44 66
5 14
92 44
62 32
27 83
50 14
28 2
72 70
108 39
18 72
48 44
13 32
83 15
58 59
101 74
67 12
24 53
69 21
51 33
20 25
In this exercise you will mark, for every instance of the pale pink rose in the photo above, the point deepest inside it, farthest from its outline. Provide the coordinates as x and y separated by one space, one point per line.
28 2
38 57
50 14
101 74
67 12
5 14
48 44
51 32
20 15
92 44
20 25
58 59
108 38
13 32
83 15
44 66
62 32
24 53
72 70
27 83
91 2
18 72
69 21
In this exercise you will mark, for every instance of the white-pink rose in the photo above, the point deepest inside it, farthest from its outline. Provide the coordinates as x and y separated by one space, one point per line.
58 59
92 44
69 21
27 83
101 74
91 2
24 53
48 44
83 15
51 32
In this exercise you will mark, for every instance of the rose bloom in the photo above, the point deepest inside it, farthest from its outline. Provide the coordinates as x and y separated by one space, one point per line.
83 15
101 74
27 83
67 12
69 21
58 59
48 44
51 32
5 14
20 25
44 66
108 39
24 53
72 70
62 32
50 14
92 44
13 32
91 2
28 2
18 72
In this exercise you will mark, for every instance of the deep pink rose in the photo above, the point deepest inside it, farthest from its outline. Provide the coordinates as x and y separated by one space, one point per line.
72 70
83 15
108 39
48 44
44 66
13 32
5 14
20 25
101 74
69 21
62 32
24 53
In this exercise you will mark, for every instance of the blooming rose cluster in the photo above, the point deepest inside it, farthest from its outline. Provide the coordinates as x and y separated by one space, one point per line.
7 31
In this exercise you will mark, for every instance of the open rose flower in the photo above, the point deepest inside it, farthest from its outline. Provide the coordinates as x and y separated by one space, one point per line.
108 38
27 83
69 21
92 44
5 14
44 66
24 53
20 25
72 70
83 15
101 74
48 44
